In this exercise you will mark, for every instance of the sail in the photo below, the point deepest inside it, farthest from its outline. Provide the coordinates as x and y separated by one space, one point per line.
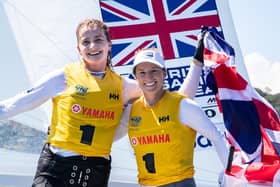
39 36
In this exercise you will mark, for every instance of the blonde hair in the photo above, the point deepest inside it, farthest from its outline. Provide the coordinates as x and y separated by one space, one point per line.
92 23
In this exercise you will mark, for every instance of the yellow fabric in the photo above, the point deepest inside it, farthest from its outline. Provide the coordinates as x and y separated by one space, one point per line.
85 116
157 131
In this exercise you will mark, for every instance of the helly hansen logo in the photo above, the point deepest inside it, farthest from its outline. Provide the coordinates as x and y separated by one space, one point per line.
163 119
114 96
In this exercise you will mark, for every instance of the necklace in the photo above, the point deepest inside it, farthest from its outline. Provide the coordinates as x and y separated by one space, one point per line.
150 104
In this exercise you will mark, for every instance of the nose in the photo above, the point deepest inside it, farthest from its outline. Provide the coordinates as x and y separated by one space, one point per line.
92 45
147 75
150 74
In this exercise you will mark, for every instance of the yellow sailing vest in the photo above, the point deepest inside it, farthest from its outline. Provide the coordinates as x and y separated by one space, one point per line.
163 145
85 116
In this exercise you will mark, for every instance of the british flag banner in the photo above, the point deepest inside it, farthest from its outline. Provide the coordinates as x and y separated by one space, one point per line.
252 124
171 26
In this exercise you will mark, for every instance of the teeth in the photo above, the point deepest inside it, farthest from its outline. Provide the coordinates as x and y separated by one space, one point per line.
150 84
95 53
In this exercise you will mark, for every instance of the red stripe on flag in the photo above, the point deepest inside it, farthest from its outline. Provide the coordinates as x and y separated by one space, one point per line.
227 77
131 55
184 7
215 57
162 27
235 171
261 172
271 119
269 154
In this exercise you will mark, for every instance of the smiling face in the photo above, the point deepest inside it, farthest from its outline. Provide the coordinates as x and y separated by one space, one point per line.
150 78
94 47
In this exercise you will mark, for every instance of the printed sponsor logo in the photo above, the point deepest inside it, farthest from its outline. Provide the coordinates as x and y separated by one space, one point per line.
135 120
114 96
99 114
149 54
210 112
163 119
211 100
81 90
176 76
150 139
134 141
202 142
76 108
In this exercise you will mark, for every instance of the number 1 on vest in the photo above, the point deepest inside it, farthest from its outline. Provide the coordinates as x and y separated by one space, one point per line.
87 134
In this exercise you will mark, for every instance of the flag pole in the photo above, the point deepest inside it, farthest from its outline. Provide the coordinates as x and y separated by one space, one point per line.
230 159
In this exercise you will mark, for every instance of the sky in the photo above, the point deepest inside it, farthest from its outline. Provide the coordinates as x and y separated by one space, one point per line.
257 28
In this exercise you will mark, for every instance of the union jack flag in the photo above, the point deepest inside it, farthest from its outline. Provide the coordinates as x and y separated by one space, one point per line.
252 124
169 25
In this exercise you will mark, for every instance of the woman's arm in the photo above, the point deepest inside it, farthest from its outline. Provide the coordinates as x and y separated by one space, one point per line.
123 125
131 90
49 86
193 116
191 81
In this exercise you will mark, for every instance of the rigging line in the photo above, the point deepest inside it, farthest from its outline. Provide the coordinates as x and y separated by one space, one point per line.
39 30
22 37
95 2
